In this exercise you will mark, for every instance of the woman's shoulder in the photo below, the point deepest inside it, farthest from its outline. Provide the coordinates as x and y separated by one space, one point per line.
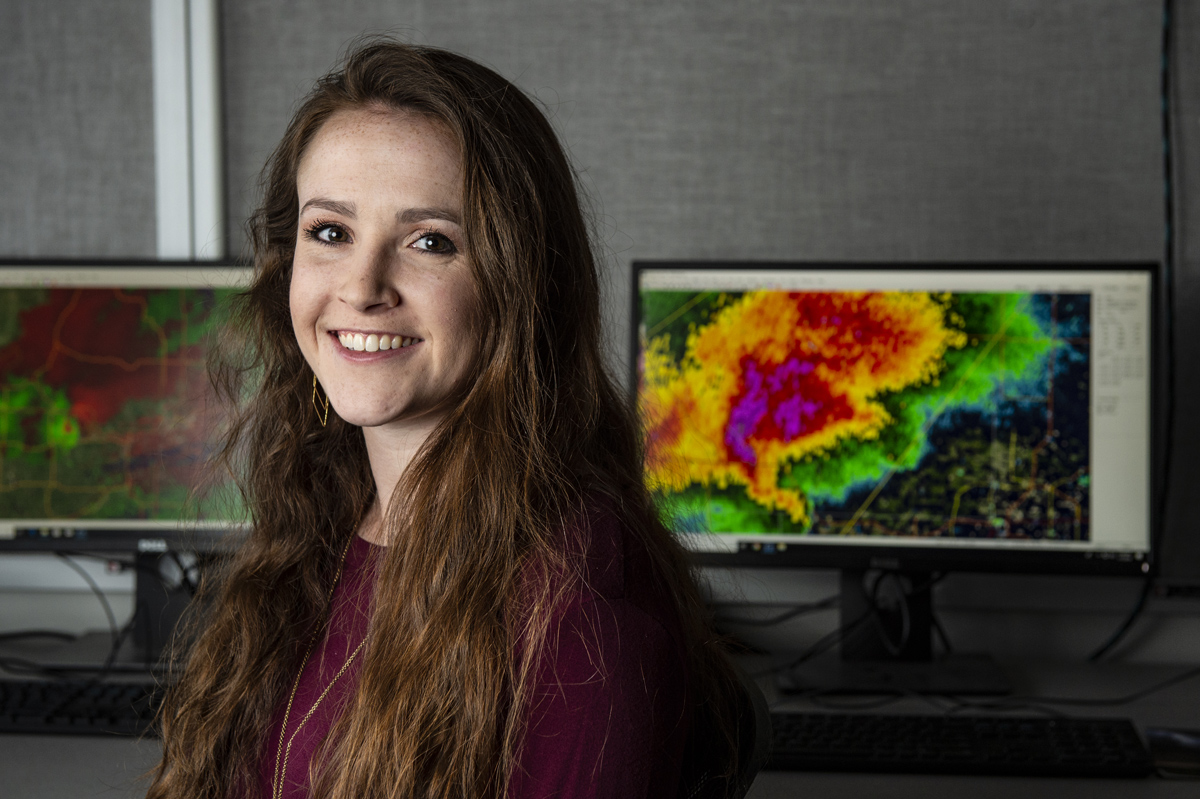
617 568
613 661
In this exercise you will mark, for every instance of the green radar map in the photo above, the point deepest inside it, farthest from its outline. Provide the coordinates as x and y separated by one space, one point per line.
105 407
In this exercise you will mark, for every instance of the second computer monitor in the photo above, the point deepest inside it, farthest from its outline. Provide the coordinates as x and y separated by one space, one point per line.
987 417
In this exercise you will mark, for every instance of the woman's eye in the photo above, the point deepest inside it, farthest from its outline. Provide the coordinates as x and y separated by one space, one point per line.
435 243
328 234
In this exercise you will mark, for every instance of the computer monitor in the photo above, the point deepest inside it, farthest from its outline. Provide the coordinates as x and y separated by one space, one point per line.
910 418
107 418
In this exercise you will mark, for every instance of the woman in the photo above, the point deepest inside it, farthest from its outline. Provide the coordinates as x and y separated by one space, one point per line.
456 584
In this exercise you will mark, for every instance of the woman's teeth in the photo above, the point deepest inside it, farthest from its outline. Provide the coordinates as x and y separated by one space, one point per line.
374 343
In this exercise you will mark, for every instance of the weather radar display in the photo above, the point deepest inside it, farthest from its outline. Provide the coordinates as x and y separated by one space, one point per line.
105 407
905 414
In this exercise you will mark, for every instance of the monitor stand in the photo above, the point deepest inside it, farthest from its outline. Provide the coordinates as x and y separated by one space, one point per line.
888 645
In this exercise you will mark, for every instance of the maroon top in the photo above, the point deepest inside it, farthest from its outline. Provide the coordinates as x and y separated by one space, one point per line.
608 717
348 622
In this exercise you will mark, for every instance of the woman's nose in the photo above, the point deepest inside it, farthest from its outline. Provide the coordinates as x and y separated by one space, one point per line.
366 283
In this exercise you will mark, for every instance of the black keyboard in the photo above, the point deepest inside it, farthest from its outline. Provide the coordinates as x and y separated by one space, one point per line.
77 707
957 745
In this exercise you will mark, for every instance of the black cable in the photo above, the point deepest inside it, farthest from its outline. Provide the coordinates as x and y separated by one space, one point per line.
1119 633
1035 702
1009 704
792 613
821 645
18 635
894 648
1170 246
1116 701
936 621
19 665
827 642
114 631
118 634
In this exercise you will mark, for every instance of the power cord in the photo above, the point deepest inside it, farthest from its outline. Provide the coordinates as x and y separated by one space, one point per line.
1170 247
1119 633
1007 704
787 615
18 635
114 631
1046 703
936 622
894 648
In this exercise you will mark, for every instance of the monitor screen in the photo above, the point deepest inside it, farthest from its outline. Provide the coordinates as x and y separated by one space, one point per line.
987 417
107 419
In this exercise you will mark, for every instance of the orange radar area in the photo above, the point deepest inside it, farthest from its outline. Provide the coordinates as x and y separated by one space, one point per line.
774 377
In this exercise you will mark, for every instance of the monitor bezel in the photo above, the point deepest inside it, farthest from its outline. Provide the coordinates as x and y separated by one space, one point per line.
943 557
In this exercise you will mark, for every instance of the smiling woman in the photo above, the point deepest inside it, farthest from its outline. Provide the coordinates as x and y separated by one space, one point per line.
456 584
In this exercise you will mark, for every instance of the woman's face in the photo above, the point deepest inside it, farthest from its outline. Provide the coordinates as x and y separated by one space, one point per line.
382 298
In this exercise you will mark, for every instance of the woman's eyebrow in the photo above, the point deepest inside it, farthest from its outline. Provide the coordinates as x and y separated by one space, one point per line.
412 215
336 206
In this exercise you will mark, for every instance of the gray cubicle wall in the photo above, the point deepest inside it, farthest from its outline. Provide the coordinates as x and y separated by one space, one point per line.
766 129
76 129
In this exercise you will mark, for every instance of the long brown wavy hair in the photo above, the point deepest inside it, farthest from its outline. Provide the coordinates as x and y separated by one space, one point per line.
479 555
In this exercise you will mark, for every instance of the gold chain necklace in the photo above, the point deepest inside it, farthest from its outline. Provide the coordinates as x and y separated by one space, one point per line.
283 753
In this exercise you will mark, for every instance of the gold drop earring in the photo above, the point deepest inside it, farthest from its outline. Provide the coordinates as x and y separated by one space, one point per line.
322 410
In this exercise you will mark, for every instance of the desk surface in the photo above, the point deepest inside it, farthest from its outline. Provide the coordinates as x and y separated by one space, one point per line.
38 767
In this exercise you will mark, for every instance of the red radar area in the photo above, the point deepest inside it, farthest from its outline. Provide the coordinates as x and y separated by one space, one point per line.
776 377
